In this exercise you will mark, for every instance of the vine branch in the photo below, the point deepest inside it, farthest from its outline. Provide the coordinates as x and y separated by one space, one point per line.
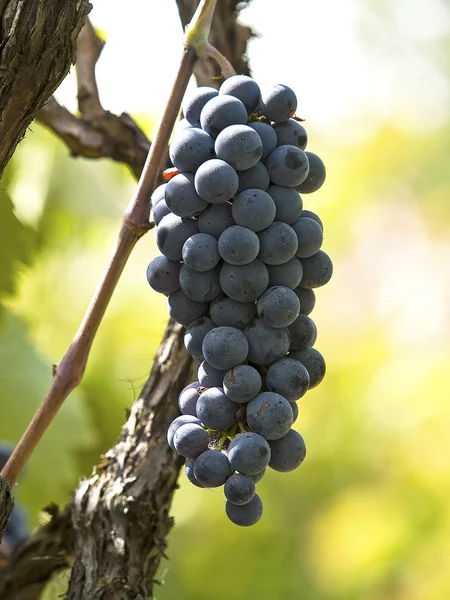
141 462
135 224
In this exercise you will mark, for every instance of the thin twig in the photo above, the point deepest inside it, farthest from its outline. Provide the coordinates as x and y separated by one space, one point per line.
135 224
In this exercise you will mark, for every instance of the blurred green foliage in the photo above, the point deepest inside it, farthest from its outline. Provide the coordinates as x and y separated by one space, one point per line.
367 516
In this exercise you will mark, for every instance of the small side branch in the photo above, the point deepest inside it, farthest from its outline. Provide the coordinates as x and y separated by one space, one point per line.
106 136
89 49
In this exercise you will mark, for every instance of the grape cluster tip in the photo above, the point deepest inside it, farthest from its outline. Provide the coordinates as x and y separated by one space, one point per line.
240 260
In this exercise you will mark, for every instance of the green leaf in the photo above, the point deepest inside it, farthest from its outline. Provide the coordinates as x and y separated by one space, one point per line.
16 246
25 377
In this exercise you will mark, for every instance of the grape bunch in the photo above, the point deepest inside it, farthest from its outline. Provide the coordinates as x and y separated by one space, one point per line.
240 259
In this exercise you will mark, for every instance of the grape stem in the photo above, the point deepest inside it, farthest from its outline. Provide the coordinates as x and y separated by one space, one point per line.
197 34
222 441
242 427
68 374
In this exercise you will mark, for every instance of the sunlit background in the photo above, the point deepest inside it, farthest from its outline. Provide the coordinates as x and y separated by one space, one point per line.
367 516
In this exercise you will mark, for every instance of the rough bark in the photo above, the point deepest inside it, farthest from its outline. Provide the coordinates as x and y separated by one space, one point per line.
38 40
7 504
121 514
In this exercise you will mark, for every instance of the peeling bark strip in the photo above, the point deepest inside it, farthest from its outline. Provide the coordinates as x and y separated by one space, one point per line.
7 504
38 41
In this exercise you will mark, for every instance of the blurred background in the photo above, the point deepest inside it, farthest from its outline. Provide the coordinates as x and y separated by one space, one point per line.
367 516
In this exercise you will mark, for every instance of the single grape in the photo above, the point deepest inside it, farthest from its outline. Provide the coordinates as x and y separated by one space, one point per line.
268 137
245 515
316 175
270 415
255 178
238 245
210 377
184 310
288 203
291 133
289 274
194 336
171 234
194 102
200 252
242 383
294 407
278 243
278 306
215 410
244 88
220 112
287 166
225 347
189 470
257 478
160 211
266 344
289 378
190 148
314 363
215 219
187 400
317 270
163 274
244 283
288 452
190 440
181 197
240 146
178 422
225 311
158 194
216 181
183 124
311 215
249 453
254 209
200 286
309 235
278 103
239 489
303 332
307 299
212 469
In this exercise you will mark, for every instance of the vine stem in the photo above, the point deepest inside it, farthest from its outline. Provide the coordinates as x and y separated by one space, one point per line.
68 374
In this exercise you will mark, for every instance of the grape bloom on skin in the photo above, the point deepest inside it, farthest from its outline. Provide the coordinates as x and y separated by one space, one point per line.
240 258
